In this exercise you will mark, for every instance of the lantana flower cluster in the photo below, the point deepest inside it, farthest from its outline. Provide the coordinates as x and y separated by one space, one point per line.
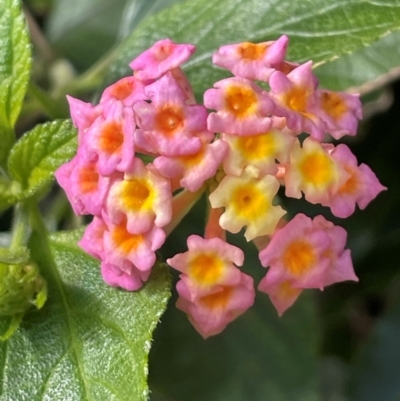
238 148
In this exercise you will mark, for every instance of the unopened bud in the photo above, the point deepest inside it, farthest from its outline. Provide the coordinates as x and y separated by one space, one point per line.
21 286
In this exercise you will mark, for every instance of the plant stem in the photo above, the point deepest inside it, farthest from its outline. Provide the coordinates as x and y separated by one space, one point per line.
37 220
20 229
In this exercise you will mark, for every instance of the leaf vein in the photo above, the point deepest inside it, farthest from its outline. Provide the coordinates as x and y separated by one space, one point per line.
66 305
52 370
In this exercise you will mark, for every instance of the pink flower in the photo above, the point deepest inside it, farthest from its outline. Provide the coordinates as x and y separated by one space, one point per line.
294 95
212 290
110 139
282 294
313 171
122 248
242 107
143 197
340 112
211 313
260 151
196 168
92 241
130 280
307 254
209 263
86 189
82 114
126 258
163 56
340 266
252 60
296 253
168 125
361 186
127 90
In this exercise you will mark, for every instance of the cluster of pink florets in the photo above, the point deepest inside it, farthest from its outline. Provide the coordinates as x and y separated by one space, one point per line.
239 155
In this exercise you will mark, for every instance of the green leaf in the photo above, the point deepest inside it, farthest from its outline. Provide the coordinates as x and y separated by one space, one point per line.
89 341
318 30
15 65
366 69
36 156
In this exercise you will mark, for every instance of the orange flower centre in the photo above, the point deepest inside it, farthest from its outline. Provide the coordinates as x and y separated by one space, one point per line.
135 194
317 169
111 137
299 257
249 202
169 119
206 268
88 178
334 105
256 147
296 99
252 51
241 101
126 241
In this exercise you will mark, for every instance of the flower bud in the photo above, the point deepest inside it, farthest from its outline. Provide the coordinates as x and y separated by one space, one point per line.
21 286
